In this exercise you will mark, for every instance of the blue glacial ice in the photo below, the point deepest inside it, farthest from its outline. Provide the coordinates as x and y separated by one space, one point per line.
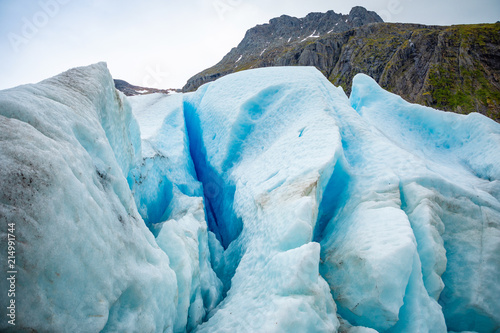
170 200
450 191
271 146
267 201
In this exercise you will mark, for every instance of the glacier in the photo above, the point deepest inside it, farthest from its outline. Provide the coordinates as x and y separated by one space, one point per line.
266 201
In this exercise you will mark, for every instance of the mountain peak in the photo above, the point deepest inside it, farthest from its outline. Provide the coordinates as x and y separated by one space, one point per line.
284 32
453 68
288 29
360 15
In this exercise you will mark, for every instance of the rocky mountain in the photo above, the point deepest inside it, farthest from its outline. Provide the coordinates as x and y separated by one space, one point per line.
262 41
453 68
131 90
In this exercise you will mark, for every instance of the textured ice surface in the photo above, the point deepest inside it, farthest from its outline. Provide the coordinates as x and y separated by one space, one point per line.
421 210
265 144
166 169
185 240
326 213
86 261
170 200
403 200
450 190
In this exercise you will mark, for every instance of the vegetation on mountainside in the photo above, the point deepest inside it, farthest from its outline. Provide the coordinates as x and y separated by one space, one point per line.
454 68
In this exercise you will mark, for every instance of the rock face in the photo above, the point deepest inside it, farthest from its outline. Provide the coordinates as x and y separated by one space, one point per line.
263 41
131 90
454 68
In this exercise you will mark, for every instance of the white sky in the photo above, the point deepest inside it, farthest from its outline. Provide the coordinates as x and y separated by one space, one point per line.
161 43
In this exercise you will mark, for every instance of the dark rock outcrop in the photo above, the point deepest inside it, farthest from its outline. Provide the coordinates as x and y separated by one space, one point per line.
131 90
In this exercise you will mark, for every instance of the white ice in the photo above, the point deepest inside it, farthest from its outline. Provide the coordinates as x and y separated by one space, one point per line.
86 261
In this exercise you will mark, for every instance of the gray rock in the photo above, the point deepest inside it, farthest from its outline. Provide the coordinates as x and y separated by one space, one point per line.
281 32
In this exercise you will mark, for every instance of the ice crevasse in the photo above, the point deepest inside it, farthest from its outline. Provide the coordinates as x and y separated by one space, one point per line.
267 201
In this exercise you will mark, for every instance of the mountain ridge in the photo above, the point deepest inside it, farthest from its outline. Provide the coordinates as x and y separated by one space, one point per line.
453 68
283 31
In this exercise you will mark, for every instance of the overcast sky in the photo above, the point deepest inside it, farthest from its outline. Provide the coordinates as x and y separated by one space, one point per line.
161 43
